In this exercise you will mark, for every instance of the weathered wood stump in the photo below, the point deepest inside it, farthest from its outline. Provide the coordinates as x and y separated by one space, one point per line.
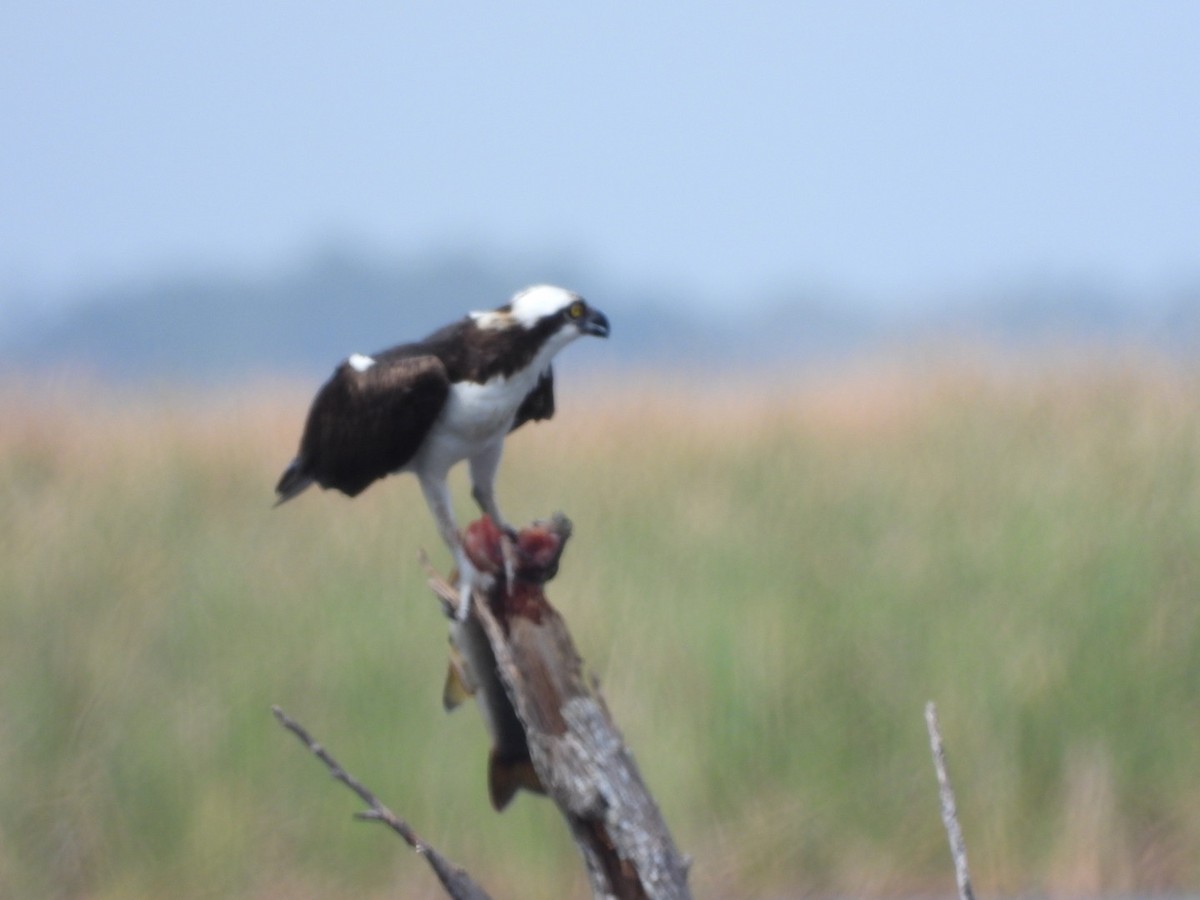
544 715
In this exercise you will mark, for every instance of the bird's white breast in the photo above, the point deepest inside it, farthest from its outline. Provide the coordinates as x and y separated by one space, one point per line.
480 412
475 415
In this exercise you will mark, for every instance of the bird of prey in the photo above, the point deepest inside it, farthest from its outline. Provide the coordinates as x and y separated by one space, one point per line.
425 406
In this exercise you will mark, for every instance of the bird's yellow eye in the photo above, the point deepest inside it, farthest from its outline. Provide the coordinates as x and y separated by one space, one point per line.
576 309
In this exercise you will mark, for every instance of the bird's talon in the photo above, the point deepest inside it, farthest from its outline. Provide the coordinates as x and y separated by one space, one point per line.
509 548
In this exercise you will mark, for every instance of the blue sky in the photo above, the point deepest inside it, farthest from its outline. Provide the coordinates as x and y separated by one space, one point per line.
887 150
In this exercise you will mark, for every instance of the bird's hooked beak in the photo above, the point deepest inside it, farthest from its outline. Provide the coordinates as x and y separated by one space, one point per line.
594 323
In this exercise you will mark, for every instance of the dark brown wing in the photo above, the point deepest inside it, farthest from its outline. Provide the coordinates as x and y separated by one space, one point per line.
365 425
538 403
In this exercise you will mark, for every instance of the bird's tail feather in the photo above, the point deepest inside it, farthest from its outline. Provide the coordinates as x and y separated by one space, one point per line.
293 481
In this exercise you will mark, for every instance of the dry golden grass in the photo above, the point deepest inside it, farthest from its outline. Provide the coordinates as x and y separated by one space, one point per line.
770 582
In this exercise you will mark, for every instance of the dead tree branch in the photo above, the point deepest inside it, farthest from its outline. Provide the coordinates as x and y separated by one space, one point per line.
958 847
528 671
550 729
458 883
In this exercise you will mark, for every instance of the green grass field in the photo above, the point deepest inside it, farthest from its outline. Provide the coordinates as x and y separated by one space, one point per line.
768 590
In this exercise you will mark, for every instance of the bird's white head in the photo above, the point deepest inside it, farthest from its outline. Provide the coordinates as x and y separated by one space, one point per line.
544 304
544 301
532 304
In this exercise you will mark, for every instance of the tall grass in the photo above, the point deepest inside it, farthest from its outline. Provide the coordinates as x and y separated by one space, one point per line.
770 583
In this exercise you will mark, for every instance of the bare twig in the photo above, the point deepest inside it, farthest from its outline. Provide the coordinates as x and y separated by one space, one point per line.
958 847
551 730
458 883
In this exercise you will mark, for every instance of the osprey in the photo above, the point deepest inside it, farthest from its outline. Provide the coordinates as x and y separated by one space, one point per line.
454 396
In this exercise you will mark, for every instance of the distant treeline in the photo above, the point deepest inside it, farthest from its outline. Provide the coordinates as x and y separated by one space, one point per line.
214 327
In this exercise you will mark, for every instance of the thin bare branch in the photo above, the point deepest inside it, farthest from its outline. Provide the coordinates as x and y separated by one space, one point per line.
958 847
456 881
551 730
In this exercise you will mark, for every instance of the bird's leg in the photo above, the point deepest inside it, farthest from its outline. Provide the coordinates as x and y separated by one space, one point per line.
437 495
483 481
468 576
